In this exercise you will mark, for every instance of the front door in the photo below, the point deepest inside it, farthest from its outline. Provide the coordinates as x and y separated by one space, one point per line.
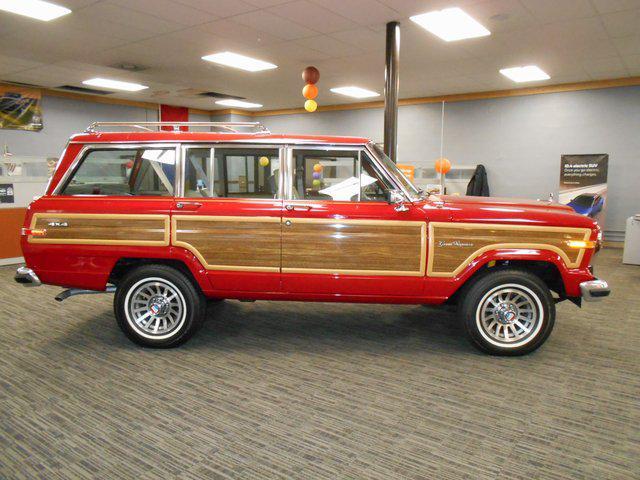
341 236
229 215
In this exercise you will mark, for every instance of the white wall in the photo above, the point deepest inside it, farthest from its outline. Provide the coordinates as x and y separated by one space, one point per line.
519 139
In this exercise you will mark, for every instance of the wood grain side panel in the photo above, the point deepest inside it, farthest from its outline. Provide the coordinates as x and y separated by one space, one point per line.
230 243
354 247
453 246
101 229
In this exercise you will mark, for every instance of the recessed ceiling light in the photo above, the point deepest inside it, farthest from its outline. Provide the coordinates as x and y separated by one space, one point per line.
236 60
451 24
115 84
355 92
530 73
238 103
34 8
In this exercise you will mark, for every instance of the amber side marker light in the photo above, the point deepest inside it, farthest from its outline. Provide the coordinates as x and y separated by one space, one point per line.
581 244
33 232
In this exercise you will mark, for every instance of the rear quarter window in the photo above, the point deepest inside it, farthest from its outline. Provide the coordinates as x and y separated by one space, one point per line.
145 171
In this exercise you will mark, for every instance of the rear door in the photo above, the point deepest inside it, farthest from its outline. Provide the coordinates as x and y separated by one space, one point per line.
340 234
229 213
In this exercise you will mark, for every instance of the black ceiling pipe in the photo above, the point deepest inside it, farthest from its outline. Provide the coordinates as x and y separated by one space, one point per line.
391 86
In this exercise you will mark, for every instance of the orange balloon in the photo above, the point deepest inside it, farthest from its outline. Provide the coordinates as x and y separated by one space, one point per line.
310 91
317 167
443 165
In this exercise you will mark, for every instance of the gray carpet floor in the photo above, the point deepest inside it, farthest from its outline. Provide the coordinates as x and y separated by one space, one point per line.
317 391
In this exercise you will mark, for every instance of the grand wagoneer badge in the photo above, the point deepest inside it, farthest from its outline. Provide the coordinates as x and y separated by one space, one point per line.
455 243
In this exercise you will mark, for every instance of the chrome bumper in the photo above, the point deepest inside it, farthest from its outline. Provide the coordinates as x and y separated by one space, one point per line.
594 290
27 277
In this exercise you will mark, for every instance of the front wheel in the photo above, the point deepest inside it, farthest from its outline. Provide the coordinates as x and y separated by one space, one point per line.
508 312
158 306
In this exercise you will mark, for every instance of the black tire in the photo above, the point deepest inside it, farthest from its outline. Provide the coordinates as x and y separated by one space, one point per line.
183 304
519 297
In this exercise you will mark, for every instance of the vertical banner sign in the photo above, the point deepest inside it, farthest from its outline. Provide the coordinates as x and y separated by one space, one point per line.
20 108
169 113
583 184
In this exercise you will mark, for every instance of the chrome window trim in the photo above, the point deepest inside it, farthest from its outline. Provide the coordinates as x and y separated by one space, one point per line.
372 152
212 147
88 147
376 162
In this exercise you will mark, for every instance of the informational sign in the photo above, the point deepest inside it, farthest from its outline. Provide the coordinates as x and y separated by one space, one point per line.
408 170
6 193
20 108
583 183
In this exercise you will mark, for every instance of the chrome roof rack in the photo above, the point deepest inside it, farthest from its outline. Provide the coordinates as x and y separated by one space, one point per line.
231 127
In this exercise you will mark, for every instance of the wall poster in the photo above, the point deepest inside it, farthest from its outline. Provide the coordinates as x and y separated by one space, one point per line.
583 183
20 108
6 193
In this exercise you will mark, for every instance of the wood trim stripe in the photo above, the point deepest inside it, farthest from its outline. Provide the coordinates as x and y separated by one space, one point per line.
221 218
97 216
457 97
502 245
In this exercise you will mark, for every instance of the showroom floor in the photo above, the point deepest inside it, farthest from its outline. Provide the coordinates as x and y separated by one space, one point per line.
292 390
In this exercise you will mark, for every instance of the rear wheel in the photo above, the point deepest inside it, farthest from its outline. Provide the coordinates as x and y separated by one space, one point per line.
508 312
158 306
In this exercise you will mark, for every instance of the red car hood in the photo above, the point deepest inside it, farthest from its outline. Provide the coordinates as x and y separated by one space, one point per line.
510 210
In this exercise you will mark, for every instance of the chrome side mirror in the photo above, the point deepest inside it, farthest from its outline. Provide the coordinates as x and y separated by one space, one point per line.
396 197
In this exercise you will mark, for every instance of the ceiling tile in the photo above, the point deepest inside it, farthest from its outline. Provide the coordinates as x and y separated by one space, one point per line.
363 12
330 46
241 34
607 6
627 45
169 10
554 10
273 24
312 16
622 24
363 38
220 8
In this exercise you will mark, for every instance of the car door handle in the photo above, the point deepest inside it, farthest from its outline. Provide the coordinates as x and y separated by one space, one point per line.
188 205
303 208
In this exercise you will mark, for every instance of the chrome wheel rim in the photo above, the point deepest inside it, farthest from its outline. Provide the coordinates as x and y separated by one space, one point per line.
155 308
509 315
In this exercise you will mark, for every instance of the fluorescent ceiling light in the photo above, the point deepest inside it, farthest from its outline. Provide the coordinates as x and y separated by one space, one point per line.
34 8
530 73
450 24
236 60
355 92
238 103
115 84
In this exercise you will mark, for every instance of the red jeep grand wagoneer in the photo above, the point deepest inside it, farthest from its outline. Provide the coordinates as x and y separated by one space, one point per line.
167 219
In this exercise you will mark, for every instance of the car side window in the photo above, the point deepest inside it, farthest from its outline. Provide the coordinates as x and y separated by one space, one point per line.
232 172
124 172
338 175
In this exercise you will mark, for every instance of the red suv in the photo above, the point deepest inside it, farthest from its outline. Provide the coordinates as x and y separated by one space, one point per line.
168 219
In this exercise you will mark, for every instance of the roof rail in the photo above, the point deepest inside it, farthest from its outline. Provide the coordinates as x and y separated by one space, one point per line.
231 127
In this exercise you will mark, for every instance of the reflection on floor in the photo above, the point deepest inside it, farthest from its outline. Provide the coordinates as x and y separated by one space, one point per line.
292 390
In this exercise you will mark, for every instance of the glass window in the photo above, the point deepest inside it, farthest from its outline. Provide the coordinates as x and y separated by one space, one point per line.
234 172
142 171
339 175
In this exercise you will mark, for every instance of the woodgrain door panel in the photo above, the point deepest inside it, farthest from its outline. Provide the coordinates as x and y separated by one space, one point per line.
353 247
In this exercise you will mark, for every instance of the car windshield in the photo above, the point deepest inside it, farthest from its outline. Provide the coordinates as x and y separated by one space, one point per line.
583 201
393 169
